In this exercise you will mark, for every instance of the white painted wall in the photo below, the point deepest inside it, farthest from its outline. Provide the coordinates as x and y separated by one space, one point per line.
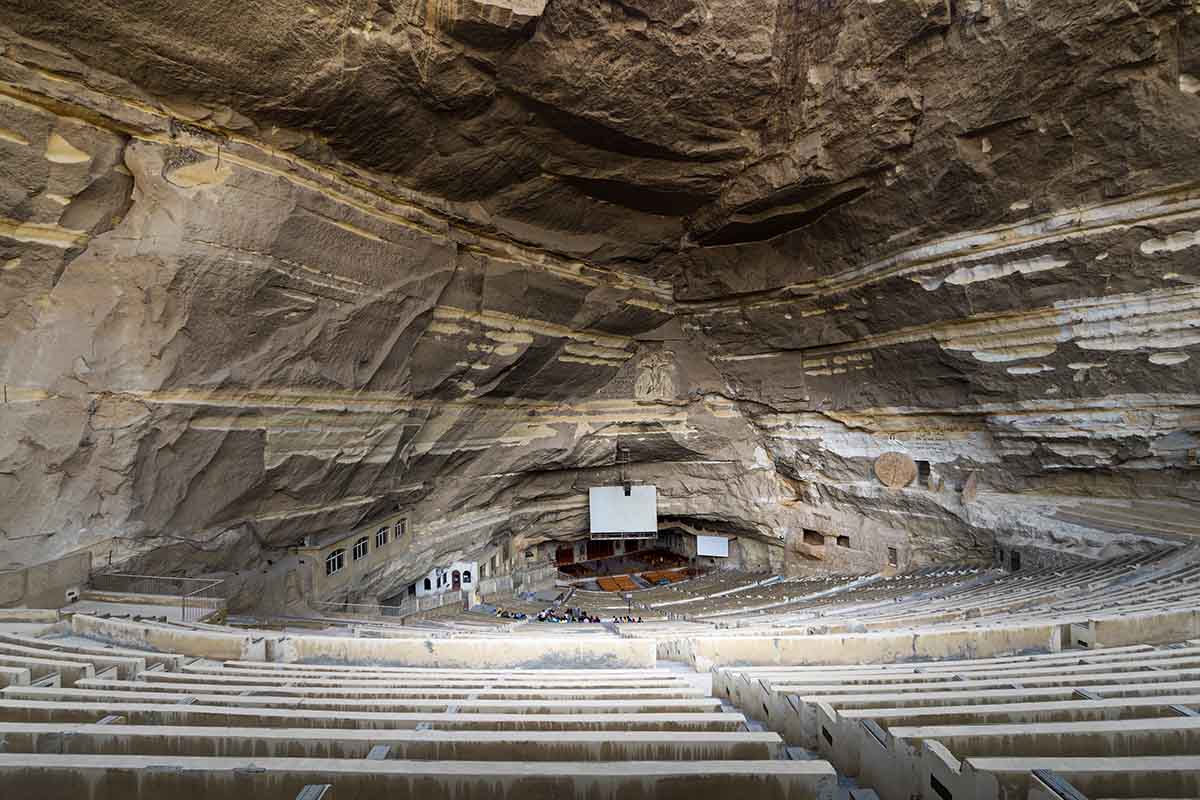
441 579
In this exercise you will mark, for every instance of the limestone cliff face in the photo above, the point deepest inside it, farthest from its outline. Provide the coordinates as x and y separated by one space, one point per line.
274 272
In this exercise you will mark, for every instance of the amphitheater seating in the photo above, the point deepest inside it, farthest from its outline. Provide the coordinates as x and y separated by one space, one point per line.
176 726
942 683
1107 721
938 613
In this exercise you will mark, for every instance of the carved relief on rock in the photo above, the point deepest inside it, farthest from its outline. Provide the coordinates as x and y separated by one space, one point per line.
895 470
656 377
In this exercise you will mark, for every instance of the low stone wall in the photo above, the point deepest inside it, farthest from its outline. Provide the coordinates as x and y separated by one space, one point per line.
45 585
171 639
866 648
145 598
535 579
885 647
1159 628
470 653
46 615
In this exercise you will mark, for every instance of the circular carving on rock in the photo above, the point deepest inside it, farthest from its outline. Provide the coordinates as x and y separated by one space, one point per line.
895 470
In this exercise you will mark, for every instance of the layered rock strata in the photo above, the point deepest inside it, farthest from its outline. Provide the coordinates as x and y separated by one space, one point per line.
272 275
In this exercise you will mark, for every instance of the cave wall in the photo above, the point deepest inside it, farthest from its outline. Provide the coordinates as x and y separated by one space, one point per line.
276 274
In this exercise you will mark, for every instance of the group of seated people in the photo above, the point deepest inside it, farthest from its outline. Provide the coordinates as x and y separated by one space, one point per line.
506 614
565 615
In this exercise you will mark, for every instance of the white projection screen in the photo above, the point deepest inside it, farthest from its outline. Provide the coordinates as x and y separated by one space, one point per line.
712 546
613 512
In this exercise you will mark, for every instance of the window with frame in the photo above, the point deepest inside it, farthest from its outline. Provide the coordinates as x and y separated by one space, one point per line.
428 585
335 561
381 537
360 548
401 527
466 576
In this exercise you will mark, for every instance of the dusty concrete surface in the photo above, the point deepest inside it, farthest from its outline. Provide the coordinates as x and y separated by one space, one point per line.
276 275
108 776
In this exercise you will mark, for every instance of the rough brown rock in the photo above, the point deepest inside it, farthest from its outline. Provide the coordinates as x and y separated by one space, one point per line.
268 273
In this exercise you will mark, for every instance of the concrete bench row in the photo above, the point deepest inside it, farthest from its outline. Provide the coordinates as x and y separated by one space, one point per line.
183 778
125 727
1070 597
973 728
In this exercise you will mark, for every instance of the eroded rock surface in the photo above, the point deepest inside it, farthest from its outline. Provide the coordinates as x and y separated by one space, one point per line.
270 273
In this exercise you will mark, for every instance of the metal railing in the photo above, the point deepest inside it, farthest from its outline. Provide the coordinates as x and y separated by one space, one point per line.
375 609
197 597
407 607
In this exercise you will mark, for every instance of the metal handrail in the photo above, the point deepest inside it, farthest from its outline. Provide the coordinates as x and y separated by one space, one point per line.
158 577
189 607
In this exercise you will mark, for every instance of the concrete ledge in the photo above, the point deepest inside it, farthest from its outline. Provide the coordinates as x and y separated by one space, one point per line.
14 676
70 671
516 652
127 666
899 645
914 756
46 615
146 598
170 639
141 692
1144 776
166 659
52 777
363 675
853 745
1166 626
401 687
267 667
875 648
425 745
231 716
266 700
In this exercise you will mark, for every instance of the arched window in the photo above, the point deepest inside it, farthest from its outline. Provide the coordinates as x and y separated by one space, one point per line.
360 548
335 561
381 537
467 576
428 585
